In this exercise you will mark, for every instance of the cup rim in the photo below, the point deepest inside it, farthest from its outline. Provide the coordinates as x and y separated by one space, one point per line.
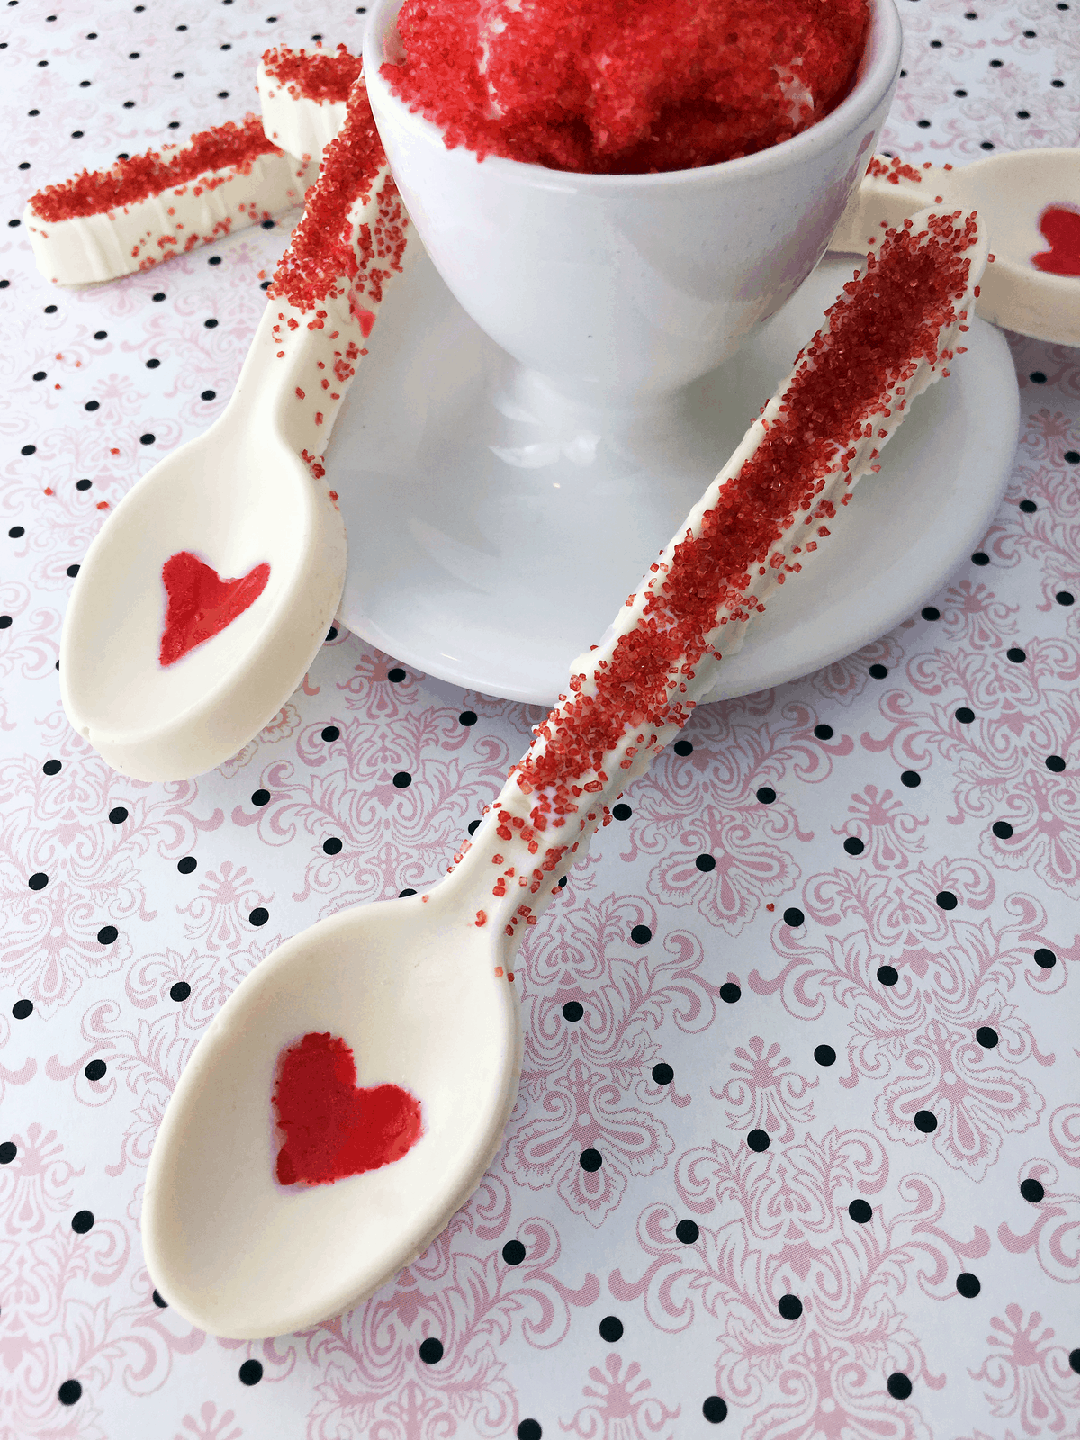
878 70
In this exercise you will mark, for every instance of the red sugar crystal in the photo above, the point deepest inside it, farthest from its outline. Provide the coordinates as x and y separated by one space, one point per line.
324 249
849 375
626 86
316 76
229 146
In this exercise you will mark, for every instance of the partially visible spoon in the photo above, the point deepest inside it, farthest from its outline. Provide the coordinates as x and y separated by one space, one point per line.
420 989
1029 203
210 588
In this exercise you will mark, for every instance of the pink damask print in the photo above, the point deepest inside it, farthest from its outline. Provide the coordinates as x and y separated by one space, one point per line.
764 1093
1065 1133
1053 1227
843 682
889 832
783 1228
1027 1377
620 1406
587 1085
210 1425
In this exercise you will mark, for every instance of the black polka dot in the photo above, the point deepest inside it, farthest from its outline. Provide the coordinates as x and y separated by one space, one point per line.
180 991
611 1329
562 883
259 916
250 1372
730 993
1002 829
1036 377
147 439
965 715
1028 507
980 558
898 1384
1015 654
887 975
529 1429
766 795
572 1011
1045 959
987 1037
18 531
1032 1191
431 1350
29 450
51 767
1072 457
1074 1355
332 633
331 733
22 1009
1063 597
260 797
590 1160
513 1252
92 405
662 1074
152 364
402 780
705 863
825 1055
911 779
931 612
823 732
641 934
403 893
117 815
474 825
396 675
946 900
5 622
683 747
83 484
159 1302
790 1307
686 1232
968 1285
925 1121
82 1222
794 917
853 845
1023 114
1055 763
107 935
187 864
621 812
7 1152
209 394
332 846
95 1070
70 1392
714 1409
38 880
877 672
467 717
758 1140
860 1211
210 324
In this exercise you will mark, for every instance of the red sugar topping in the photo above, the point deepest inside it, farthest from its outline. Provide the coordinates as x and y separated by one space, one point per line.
324 250
199 604
626 86
844 380
894 170
331 1128
316 75
223 147
1060 227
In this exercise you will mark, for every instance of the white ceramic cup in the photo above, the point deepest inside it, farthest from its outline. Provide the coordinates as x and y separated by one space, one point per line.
618 286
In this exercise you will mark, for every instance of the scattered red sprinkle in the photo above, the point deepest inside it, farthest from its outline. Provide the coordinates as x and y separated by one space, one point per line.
894 170
102 505
626 86
47 490
228 146
316 75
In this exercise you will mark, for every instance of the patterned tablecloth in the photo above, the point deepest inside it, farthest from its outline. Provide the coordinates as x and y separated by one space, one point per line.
839 1064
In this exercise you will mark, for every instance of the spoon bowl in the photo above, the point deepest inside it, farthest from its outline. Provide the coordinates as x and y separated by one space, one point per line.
375 976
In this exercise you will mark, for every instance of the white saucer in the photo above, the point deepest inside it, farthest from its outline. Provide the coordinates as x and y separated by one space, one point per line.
495 529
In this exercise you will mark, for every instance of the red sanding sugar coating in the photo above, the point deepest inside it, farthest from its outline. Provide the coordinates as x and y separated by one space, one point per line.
199 604
323 250
879 330
315 75
1060 227
626 86
228 146
331 1128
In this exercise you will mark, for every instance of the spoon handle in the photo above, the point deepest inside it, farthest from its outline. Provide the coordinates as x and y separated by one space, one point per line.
885 340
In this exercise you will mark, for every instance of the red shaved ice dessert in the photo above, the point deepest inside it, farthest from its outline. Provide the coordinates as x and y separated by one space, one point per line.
626 87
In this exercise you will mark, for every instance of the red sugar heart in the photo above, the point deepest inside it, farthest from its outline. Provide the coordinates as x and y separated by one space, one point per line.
332 1129
200 604
1060 224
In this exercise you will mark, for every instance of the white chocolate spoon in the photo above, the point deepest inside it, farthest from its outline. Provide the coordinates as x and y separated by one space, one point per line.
1015 195
421 988
245 495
